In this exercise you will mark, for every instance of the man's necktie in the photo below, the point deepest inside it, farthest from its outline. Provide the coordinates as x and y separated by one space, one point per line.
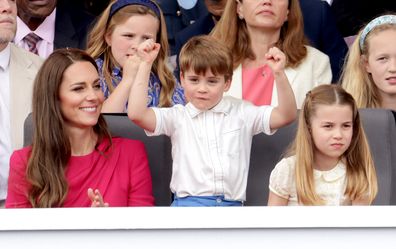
31 40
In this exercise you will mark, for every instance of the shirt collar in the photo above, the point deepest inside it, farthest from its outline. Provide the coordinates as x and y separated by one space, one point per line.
46 30
331 175
5 55
224 106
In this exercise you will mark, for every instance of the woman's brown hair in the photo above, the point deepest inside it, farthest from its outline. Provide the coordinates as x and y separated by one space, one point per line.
233 32
51 147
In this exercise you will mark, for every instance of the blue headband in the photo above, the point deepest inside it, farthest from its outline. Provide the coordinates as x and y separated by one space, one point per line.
122 3
387 19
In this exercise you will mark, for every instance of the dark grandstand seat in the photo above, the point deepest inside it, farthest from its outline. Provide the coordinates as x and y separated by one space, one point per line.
266 152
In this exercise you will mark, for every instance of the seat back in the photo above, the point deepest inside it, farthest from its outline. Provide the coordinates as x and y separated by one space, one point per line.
379 126
158 152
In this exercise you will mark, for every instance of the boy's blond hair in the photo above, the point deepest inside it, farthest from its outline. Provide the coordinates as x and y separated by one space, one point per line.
204 52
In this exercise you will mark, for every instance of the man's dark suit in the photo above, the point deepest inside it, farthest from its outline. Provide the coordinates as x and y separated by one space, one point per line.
177 18
71 26
352 15
321 30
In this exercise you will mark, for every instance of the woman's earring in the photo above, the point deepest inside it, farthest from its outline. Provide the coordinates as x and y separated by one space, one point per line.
240 17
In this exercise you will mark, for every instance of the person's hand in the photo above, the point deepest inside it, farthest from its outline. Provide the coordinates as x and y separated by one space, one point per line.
131 66
148 50
96 198
276 59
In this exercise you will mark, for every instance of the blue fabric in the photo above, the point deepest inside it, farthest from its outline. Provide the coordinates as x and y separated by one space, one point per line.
122 3
321 30
386 19
204 201
154 87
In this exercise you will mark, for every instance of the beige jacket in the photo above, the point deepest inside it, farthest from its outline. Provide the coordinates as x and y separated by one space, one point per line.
23 69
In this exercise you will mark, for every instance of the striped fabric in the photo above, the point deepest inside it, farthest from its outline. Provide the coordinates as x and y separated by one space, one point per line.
31 40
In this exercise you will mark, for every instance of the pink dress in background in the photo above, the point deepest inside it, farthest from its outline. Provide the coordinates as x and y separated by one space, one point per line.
122 175
257 85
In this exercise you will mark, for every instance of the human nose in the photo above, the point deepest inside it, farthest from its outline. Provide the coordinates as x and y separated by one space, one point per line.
392 65
202 88
93 94
134 44
337 133
5 6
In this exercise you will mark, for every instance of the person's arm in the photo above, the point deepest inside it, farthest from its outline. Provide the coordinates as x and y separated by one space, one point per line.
286 111
280 183
276 200
141 191
17 184
117 100
138 111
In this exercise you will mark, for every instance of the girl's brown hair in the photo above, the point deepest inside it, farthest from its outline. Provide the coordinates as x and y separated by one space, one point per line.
97 47
361 176
51 147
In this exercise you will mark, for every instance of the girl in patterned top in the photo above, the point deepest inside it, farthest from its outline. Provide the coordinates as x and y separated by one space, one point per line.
123 25
330 162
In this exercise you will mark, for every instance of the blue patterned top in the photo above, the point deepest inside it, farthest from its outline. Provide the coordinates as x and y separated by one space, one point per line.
154 87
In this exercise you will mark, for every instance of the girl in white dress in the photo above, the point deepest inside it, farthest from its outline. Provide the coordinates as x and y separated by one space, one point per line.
330 161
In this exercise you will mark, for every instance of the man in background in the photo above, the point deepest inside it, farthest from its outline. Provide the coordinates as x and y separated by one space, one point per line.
18 69
50 24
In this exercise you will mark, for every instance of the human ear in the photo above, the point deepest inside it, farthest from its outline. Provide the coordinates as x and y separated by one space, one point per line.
239 10
108 38
365 63
182 79
227 85
287 16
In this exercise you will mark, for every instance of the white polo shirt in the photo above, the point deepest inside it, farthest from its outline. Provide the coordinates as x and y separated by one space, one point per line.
211 149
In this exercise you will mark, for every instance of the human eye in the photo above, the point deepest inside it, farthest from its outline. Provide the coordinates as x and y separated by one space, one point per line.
77 88
382 58
147 37
128 35
96 86
193 80
347 125
327 126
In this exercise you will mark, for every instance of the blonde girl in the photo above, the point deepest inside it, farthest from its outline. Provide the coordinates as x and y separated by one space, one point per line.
113 41
330 162
369 73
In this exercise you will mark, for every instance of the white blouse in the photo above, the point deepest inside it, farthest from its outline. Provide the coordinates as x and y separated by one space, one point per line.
329 185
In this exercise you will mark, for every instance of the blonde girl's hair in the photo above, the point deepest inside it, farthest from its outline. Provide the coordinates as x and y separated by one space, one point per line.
361 177
98 47
354 78
233 32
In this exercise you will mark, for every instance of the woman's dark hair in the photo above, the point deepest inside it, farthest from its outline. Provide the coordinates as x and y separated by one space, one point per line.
51 147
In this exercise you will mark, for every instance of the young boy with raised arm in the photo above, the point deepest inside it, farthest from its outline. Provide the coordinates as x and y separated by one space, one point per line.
212 135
